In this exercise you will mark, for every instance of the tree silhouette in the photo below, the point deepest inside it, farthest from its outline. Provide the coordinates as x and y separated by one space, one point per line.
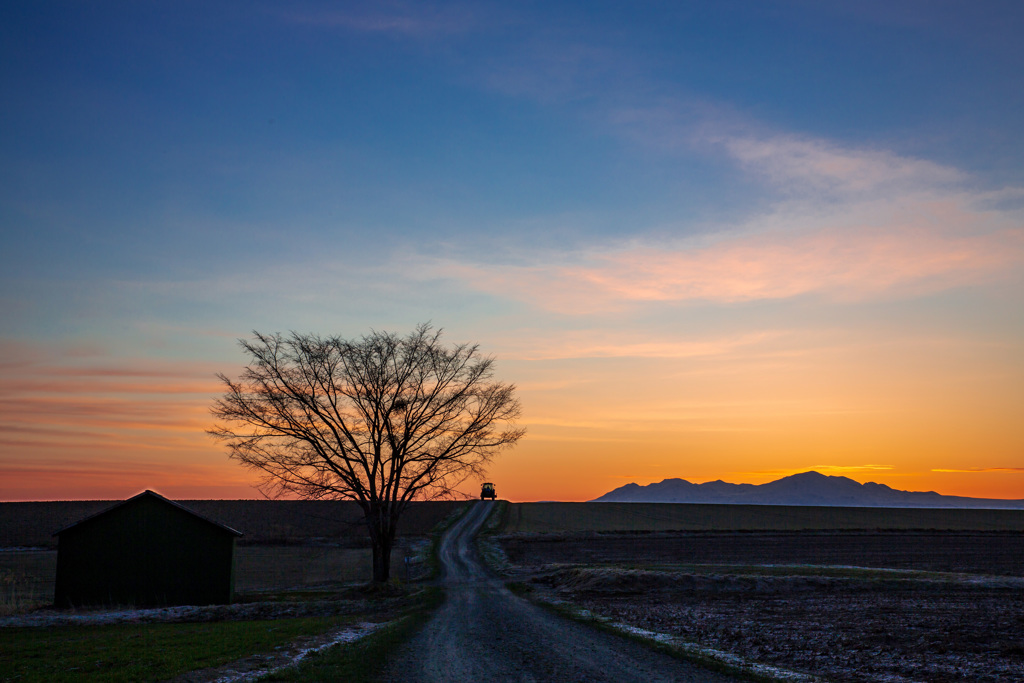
382 420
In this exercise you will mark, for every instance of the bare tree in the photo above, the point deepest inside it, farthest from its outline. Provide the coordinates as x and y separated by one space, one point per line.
382 419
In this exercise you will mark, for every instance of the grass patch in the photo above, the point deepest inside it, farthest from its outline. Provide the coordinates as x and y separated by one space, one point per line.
142 652
498 518
365 659
489 549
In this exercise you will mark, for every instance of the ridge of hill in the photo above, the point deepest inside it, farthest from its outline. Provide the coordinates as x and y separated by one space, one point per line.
806 488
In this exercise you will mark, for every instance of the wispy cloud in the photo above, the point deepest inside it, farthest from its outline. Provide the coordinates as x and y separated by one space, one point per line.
611 344
854 225
842 264
55 396
1012 470
802 164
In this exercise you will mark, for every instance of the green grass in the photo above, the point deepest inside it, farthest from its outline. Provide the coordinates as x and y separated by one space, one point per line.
365 659
142 652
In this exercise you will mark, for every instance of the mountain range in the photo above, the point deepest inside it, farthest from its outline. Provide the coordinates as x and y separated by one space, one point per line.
806 488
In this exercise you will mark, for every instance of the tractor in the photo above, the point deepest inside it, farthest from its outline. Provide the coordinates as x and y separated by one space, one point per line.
487 491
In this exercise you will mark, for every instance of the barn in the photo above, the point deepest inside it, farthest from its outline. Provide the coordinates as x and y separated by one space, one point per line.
145 551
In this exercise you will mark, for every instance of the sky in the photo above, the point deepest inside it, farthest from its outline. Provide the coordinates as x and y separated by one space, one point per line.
730 240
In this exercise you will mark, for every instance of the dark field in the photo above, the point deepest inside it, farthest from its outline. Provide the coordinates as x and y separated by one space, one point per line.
27 577
843 631
847 594
582 517
261 521
991 552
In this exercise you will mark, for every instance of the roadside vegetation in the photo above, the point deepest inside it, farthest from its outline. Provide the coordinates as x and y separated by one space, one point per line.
486 540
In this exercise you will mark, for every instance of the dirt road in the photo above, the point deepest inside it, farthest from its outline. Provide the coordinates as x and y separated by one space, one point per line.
485 633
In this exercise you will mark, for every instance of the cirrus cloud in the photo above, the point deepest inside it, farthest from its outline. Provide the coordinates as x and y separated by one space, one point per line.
855 225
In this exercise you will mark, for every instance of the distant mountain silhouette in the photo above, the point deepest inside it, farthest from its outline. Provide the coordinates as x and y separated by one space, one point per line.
806 488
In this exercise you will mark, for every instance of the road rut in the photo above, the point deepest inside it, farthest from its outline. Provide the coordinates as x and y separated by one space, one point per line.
483 632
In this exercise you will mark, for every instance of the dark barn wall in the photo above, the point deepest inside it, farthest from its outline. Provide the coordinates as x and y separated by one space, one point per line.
145 552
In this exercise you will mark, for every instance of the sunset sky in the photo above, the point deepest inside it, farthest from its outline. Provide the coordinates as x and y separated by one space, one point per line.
709 240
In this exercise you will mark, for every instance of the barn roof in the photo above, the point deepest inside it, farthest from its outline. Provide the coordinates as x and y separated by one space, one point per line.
150 494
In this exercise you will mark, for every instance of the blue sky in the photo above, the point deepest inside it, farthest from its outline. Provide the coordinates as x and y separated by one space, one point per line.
585 188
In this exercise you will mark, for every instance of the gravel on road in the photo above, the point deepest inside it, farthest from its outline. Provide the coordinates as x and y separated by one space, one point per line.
485 632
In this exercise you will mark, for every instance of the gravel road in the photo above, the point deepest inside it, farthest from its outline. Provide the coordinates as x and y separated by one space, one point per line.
483 632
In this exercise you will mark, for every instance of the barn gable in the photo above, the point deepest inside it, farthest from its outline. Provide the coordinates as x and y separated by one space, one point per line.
147 550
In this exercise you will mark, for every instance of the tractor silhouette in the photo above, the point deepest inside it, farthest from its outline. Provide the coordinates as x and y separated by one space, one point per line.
487 491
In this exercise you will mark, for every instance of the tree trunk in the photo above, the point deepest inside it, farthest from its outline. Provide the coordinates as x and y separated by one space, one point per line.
382 539
381 560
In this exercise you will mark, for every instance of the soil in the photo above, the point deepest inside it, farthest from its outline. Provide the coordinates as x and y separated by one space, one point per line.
839 624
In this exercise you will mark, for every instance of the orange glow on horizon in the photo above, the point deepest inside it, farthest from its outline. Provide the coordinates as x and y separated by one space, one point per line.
915 413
